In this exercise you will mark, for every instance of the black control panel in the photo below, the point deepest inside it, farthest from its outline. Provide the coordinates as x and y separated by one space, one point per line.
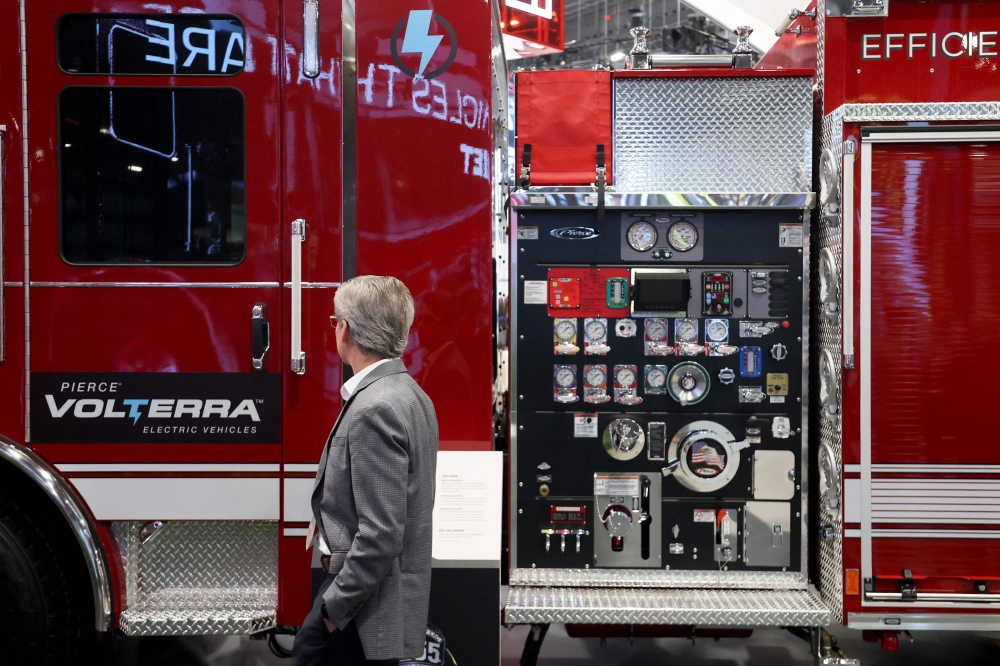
657 418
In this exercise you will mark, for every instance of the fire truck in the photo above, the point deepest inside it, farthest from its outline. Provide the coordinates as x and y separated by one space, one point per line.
184 186
738 384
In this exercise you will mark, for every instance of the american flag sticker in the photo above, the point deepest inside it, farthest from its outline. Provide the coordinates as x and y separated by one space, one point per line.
704 457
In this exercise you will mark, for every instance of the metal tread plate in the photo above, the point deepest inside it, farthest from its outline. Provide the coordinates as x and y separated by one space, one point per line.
145 621
659 578
718 608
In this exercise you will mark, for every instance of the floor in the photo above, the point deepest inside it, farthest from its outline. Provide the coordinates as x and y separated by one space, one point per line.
769 647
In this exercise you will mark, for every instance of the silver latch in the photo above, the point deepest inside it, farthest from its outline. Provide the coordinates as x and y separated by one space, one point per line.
777 536
299 229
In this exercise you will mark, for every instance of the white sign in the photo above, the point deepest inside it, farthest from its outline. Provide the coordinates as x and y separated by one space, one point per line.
467 505
535 292
585 425
541 8
789 235
616 485
704 515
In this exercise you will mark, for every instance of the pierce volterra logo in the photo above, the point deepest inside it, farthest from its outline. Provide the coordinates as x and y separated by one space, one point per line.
156 407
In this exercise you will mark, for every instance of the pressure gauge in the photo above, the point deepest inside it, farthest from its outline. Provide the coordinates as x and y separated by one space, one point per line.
642 236
656 330
625 377
685 330
655 377
682 236
717 330
565 377
565 329
596 376
596 329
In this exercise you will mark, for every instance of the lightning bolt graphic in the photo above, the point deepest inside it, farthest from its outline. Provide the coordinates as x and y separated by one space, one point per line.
417 38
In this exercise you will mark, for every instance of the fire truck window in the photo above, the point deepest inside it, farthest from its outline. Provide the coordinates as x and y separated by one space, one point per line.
164 44
152 175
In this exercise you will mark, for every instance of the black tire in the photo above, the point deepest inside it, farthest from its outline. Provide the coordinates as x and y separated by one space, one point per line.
44 612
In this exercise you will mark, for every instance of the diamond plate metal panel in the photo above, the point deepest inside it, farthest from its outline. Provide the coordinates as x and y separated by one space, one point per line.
198 577
713 134
831 551
720 608
860 113
648 578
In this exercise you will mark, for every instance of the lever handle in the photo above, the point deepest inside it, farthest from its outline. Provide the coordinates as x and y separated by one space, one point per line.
260 337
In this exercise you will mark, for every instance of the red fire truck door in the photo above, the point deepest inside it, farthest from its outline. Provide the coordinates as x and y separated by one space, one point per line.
930 327
156 326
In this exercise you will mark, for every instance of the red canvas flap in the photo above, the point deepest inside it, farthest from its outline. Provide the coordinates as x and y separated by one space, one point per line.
564 115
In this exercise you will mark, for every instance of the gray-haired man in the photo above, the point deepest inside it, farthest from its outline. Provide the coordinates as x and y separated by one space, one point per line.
374 491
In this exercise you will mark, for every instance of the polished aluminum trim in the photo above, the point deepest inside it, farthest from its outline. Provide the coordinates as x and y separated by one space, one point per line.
74 511
78 468
924 621
992 599
806 465
933 534
669 60
296 532
183 285
864 357
316 285
515 290
649 578
13 284
847 261
298 238
310 39
929 136
559 197
937 111
349 139
27 217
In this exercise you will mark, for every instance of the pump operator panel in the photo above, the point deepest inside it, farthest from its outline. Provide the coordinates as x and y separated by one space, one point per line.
658 382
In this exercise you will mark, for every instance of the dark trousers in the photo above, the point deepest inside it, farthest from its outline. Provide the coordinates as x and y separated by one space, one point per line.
315 645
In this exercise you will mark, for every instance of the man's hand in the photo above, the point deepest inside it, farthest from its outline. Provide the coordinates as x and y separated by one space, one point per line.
330 626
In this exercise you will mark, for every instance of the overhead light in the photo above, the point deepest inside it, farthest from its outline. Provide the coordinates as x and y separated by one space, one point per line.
616 56
174 158
515 22
135 167
67 145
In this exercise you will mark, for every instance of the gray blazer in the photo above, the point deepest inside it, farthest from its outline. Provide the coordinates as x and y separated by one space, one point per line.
372 499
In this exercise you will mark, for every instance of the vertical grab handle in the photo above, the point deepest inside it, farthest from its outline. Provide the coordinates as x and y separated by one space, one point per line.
298 238
847 273
310 39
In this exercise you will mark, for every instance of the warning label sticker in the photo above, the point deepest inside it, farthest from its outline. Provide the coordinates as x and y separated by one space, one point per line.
535 292
585 425
616 485
527 233
789 235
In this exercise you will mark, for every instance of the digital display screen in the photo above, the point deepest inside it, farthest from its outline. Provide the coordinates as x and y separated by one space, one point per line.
654 292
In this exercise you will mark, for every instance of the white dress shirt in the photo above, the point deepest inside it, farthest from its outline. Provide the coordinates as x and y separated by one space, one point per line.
346 391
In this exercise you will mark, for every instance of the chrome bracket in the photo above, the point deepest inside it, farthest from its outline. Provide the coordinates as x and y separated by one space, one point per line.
857 8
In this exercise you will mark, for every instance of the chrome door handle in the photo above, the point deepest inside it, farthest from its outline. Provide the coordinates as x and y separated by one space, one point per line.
260 337
310 39
298 238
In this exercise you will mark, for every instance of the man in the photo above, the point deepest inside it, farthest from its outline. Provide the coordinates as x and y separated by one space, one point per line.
374 492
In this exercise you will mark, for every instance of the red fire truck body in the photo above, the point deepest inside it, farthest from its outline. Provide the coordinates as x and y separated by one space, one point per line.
908 197
176 217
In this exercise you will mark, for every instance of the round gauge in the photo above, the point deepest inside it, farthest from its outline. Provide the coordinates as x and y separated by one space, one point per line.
623 439
596 376
565 330
565 377
656 377
596 329
688 383
625 377
642 236
682 236
686 331
656 329
718 331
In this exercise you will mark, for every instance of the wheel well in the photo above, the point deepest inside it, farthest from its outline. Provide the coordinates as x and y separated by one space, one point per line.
35 488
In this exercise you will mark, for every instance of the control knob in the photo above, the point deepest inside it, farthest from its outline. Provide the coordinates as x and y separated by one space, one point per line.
779 351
